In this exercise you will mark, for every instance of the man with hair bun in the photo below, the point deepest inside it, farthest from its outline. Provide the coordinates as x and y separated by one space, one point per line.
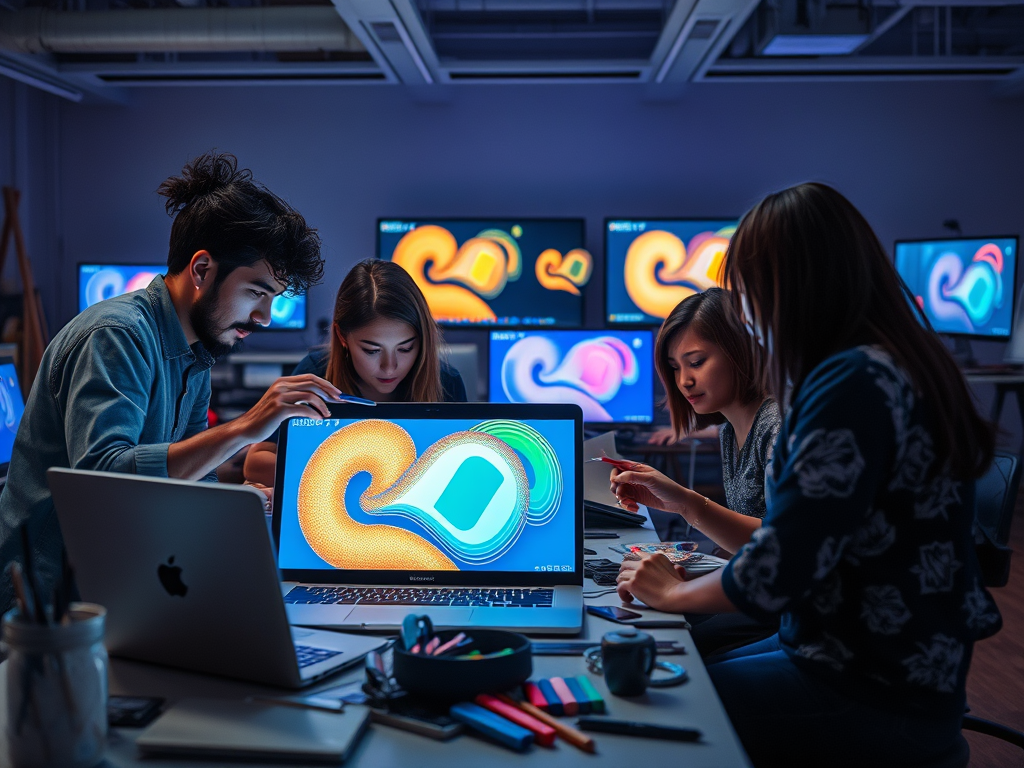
125 386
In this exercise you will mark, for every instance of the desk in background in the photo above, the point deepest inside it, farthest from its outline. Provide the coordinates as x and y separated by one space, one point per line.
1005 383
694 704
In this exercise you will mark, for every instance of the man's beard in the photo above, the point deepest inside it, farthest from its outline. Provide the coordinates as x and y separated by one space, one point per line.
203 316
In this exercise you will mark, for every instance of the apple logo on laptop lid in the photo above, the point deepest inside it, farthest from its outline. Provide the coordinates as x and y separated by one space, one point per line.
170 577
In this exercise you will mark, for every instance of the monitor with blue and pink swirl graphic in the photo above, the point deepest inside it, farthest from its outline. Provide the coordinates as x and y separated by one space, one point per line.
965 287
11 409
97 282
609 374
651 265
426 491
494 272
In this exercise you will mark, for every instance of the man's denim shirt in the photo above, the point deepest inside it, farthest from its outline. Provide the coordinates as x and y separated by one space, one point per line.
116 387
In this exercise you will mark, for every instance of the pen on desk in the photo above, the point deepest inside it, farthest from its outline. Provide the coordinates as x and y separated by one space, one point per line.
565 732
645 730
303 702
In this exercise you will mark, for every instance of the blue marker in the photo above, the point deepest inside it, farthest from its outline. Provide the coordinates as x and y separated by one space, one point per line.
554 703
498 728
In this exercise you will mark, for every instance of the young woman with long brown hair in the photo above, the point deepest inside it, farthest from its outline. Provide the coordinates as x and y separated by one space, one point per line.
384 346
713 376
865 551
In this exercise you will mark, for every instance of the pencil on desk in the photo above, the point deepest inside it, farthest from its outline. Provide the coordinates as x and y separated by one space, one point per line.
567 733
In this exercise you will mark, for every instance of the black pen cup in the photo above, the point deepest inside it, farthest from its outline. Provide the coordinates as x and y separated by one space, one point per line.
450 678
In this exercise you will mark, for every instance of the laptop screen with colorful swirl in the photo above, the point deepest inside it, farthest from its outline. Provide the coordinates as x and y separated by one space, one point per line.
97 282
462 493
609 374
506 272
964 286
651 265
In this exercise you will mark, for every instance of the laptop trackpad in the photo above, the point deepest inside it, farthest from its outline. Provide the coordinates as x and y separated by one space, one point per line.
392 615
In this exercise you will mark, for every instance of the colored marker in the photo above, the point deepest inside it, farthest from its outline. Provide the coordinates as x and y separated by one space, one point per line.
453 643
555 706
569 703
596 702
565 732
498 728
533 693
577 693
543 733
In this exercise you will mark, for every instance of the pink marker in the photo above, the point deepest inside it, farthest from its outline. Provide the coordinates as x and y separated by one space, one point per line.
450 644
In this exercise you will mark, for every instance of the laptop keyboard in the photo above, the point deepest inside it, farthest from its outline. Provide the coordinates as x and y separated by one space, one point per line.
486 598
307 654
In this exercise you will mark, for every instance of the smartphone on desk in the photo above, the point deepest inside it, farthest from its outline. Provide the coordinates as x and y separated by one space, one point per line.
624 616
432 722
613 613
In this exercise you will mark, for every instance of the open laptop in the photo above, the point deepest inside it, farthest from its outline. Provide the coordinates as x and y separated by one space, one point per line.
471 513
186 572
11 409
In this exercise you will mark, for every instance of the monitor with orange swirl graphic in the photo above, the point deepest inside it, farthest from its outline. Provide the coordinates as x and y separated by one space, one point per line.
609 374
494 272
965 287
652 265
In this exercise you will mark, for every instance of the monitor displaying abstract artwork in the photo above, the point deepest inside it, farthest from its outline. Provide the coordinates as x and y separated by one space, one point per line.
966 286
11 409
97 282
651 265
609 374
504 272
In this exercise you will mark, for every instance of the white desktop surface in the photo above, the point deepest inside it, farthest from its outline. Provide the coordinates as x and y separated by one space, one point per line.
693 704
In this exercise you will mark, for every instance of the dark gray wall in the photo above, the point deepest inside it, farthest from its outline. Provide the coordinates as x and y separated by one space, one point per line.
908 154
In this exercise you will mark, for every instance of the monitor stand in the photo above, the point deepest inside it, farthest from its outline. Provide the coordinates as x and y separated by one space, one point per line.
963 353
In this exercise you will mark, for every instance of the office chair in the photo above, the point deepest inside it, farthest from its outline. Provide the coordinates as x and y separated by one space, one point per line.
995 498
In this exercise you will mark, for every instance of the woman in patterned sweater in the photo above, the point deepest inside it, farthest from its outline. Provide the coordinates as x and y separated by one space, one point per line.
865 551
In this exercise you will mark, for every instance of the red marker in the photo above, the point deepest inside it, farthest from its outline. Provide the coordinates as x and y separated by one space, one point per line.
536 697
617 463
543 733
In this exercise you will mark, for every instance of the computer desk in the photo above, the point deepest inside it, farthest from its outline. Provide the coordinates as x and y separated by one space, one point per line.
693 704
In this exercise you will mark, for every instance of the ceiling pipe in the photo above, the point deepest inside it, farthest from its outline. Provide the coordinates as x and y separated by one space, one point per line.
159 30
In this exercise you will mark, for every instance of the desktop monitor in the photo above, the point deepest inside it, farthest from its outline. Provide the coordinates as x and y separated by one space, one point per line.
11 409
97 282
966 287
609 374
510 272
653 264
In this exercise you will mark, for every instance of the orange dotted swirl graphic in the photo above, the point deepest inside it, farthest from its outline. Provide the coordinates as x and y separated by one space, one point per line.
659 273
568 273
386 451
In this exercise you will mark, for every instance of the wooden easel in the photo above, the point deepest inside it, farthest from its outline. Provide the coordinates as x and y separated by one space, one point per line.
34 334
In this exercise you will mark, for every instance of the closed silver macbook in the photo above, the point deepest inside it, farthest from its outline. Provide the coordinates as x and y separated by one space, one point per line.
471 513
186 572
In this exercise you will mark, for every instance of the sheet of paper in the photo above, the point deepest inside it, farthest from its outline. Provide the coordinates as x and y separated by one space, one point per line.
596 473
